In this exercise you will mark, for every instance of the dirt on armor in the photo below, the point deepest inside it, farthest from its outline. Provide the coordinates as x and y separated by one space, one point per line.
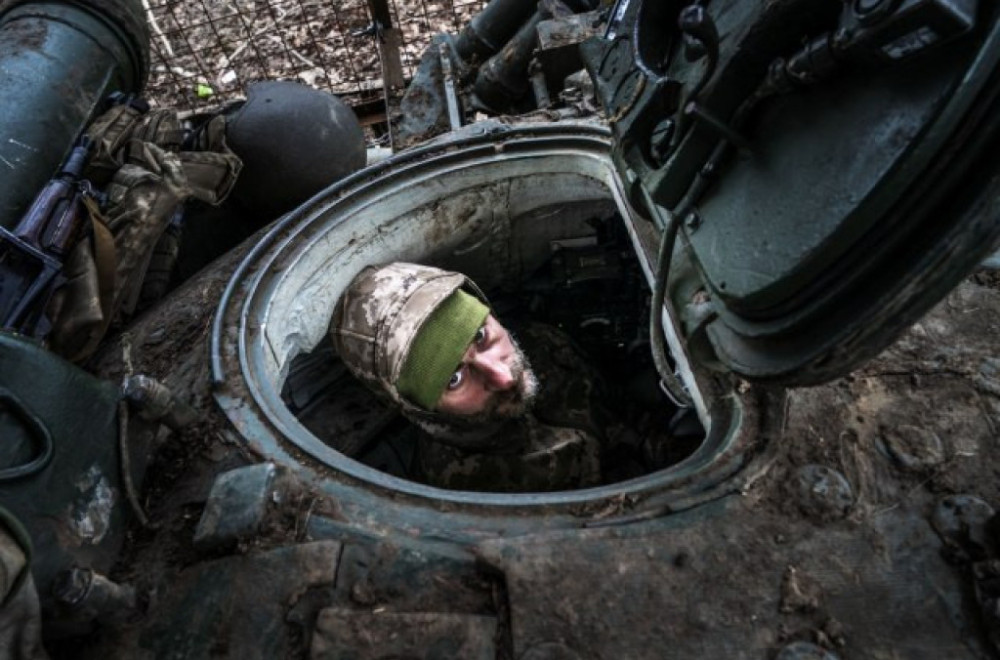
849 507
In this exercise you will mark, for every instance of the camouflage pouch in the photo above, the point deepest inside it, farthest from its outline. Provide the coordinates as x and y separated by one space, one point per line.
120 133
121 125
542 458
110 133
211 168
141 201
104 274
81 308
162 127
147 178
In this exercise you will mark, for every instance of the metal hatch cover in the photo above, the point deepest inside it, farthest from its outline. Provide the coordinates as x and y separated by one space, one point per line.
827 164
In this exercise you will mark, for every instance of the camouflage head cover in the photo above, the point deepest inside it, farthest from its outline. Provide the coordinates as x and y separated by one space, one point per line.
376 321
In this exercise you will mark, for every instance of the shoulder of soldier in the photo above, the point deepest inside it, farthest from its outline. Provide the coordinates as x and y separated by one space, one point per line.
552 352
541 330
552 458
542 338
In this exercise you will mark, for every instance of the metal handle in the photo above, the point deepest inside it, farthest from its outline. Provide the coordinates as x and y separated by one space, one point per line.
36 428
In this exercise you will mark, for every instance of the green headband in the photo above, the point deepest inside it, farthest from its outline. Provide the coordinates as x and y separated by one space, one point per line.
438 348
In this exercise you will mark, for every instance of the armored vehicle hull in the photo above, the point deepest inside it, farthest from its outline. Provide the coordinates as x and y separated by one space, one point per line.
845 520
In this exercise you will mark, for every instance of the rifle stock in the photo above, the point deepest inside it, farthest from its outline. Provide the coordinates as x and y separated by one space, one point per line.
32 255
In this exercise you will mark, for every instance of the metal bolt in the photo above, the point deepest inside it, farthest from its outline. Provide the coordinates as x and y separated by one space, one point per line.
157 403
91 596
692 221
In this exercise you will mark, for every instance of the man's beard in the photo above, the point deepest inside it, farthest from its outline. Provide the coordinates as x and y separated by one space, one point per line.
515 402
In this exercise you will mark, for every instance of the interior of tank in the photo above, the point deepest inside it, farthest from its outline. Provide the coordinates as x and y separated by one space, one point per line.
568 263
536 216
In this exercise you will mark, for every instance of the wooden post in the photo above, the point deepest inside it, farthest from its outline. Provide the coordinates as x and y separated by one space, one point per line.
390 41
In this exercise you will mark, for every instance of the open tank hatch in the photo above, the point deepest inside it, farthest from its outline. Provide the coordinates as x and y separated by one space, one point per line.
586 280
537 217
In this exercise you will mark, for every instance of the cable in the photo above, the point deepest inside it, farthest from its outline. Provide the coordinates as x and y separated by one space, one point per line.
126 465
656 335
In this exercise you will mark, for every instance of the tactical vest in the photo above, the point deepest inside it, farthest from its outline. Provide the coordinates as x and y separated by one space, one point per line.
146 172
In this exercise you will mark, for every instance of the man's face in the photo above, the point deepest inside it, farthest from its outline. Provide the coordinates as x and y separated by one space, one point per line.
494 379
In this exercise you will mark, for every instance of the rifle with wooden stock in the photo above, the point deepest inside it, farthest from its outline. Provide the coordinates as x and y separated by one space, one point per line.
33 254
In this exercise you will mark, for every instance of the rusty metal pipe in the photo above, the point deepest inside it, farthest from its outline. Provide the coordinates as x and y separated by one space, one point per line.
90 596
491 28
539 86
504 77
157 403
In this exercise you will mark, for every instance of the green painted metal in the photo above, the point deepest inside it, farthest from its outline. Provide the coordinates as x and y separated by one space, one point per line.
58 62
830 172
72 506
827 166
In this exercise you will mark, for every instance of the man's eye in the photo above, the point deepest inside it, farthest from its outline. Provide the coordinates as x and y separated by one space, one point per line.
480 337
456 379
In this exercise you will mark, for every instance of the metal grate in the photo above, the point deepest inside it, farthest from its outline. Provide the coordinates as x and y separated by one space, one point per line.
204 52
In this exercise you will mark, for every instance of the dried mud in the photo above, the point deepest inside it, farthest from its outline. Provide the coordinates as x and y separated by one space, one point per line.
833 546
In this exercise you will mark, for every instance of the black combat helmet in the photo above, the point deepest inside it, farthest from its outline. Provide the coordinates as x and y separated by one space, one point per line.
294 141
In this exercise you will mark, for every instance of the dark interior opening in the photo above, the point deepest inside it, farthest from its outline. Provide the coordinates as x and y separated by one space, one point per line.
590 286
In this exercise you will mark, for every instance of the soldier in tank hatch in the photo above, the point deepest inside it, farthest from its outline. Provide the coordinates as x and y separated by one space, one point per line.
494 416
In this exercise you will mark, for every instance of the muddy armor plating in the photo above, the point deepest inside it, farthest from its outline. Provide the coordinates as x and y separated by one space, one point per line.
556 446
